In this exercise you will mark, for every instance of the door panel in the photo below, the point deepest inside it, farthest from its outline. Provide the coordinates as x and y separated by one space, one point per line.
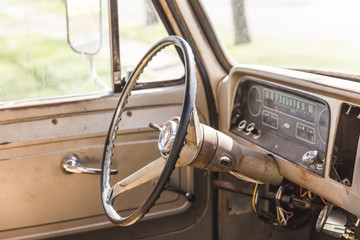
35 139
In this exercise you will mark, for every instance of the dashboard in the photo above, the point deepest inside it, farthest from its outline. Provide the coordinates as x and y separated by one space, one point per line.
288 123
309 123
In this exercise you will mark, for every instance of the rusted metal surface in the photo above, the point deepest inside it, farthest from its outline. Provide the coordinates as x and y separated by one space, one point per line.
208 148
221 153
258 166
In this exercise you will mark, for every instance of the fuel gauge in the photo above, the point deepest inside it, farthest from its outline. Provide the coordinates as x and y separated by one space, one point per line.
323 125
254 101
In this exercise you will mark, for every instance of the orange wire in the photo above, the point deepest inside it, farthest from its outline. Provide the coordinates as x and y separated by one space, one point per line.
288 212
302 195
291 213
323 200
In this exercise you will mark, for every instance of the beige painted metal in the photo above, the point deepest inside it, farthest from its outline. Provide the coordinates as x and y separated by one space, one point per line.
77 105
39 199
332 90
141 176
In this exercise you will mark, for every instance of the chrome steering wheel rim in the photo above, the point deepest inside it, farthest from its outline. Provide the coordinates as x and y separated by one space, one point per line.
179 141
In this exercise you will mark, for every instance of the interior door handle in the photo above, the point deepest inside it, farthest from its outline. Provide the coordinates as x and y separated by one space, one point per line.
70 164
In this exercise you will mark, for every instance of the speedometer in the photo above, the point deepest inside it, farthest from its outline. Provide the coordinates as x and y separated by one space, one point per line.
290 104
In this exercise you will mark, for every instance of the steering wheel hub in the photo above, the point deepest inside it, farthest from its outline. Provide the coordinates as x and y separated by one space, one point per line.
167 136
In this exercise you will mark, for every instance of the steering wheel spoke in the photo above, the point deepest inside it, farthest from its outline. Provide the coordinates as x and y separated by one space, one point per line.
143 175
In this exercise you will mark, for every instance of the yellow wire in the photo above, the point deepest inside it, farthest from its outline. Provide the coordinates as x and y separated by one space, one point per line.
277 214
253 197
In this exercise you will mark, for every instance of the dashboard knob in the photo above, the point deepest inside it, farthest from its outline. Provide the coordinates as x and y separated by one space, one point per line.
310 157
250 128
242 125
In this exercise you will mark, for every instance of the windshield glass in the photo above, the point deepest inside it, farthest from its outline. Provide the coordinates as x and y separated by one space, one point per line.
140 28
307 34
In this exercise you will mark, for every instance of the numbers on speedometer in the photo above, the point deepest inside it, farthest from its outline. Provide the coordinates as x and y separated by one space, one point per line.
254 101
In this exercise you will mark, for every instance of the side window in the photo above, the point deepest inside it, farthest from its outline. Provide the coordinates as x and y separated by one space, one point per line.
140 27
36 60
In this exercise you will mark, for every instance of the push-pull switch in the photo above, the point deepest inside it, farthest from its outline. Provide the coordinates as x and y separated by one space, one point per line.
241 125
251 129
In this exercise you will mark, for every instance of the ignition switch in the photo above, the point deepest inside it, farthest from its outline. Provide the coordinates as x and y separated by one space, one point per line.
310 157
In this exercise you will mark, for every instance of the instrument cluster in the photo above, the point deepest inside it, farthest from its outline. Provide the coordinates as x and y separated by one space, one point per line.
290 124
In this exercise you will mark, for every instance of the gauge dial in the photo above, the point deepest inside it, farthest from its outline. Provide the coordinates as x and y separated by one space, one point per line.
254 101
323 125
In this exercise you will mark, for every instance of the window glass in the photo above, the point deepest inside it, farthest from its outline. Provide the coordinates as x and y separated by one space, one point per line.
312 34
140 28
36 60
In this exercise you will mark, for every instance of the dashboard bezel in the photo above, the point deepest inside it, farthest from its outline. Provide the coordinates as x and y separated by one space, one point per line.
284 141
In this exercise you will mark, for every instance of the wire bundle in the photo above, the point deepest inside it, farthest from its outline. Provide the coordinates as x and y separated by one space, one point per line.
282 215
310 195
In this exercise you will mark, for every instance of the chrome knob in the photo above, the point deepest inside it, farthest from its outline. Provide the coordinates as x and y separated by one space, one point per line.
251 129
310 157
241 125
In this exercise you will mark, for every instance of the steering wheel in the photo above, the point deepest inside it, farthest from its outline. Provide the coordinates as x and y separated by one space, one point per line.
171 139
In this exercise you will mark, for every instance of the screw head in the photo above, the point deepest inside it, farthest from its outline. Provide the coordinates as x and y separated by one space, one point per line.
225 162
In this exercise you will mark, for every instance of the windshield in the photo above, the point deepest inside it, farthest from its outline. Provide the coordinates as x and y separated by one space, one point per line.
306 34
